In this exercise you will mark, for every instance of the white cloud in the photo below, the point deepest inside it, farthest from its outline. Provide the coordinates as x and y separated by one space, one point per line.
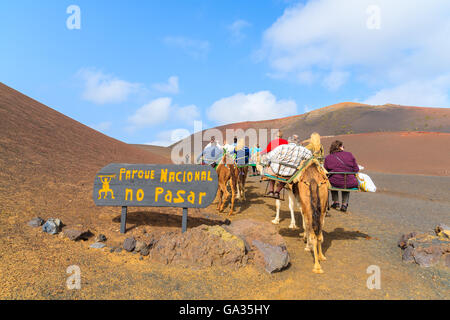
415 93
236 30
161 110
261 105
154 112
335 80
195 48
101 88
102 126
169 137
412 43
187 114
306 77
172 86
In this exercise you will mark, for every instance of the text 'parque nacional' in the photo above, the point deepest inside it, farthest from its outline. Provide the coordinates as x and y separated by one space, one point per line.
135 185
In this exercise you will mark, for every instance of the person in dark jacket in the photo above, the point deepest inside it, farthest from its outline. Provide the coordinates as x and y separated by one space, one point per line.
341 161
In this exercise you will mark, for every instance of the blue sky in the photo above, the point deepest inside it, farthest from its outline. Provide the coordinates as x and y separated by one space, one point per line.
137 70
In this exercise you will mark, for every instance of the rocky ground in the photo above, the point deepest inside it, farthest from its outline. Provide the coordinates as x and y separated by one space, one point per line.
33 264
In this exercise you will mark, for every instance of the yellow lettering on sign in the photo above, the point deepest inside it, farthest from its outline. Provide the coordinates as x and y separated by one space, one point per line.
158 191
200 196
164 175
189 176
191 197
209 176
184 176
134 172
203 175
172 177
141 174
128 192
168 197
122 171
178 179
140 195
179 198
153 175
128 175
197 175
147 174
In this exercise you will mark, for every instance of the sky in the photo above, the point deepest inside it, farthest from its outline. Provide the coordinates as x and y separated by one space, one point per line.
144 71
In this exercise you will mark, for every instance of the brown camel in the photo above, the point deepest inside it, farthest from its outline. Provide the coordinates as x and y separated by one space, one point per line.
312 186
226 171
241 179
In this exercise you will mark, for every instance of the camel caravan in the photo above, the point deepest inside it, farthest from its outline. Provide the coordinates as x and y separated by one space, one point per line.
306 176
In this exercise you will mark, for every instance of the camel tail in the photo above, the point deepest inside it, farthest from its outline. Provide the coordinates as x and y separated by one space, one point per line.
315 206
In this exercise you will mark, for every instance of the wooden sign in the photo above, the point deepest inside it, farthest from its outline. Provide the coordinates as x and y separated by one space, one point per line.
136 185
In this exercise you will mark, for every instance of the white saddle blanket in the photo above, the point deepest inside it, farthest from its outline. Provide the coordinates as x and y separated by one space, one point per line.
285 159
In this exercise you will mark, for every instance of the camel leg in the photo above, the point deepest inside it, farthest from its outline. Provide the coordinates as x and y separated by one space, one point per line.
317 268
238 193
277 217
308 245
224 198
293 225
244 178
219 194
319 245
233 196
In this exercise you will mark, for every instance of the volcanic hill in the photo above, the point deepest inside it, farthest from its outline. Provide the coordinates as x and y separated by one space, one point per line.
48 161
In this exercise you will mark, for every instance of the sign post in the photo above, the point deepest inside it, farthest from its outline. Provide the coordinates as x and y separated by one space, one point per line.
136 185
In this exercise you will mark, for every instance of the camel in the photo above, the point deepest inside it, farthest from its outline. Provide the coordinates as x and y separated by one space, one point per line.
227 171
312 188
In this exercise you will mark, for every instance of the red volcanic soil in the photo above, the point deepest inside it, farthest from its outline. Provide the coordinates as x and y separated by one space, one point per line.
426 153
48 161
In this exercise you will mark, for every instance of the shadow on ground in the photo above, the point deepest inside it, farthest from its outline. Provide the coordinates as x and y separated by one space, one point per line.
157 219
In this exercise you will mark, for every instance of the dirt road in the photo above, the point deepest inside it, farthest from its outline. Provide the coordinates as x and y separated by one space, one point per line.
33 264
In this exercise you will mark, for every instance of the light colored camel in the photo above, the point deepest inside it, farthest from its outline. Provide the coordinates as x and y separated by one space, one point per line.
312 186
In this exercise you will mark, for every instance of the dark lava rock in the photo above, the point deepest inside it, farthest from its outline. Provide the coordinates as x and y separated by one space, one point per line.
100 238
75 235
52 226
36 222
129 244
425 249
408 254
275 257
425 259
264 232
